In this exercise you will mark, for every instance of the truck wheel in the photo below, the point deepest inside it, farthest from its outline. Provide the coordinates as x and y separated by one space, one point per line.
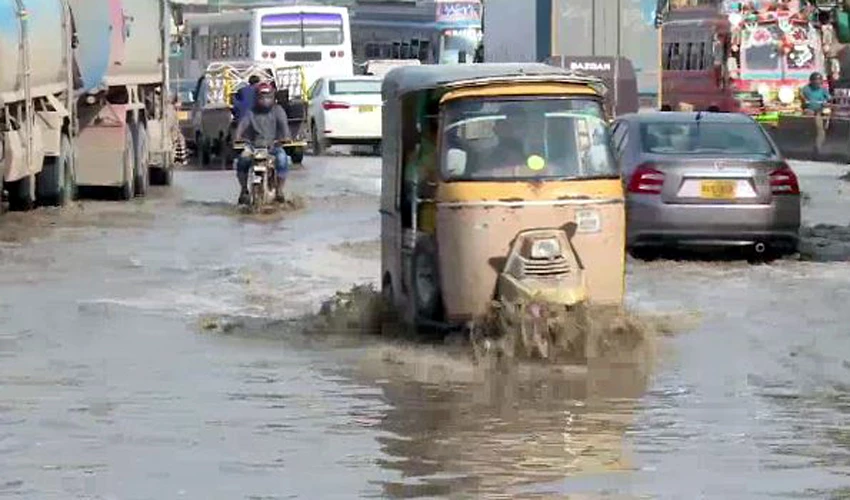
55 183
141 159
161 176
128 189
21 198
297 155
204 152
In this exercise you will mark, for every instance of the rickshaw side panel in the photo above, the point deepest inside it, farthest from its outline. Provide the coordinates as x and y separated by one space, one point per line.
390 217
474 239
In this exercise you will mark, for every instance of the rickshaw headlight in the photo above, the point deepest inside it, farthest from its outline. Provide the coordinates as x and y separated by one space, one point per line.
786 95
546 248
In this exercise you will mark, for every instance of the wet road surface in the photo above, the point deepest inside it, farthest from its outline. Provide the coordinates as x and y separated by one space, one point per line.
113 386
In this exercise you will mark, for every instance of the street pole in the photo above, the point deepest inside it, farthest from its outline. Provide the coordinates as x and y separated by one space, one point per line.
593 27
617 61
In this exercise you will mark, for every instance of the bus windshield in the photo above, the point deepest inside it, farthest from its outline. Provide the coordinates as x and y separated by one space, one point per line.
490 139
302 29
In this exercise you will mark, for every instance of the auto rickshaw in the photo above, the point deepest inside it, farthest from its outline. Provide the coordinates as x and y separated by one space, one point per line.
520 202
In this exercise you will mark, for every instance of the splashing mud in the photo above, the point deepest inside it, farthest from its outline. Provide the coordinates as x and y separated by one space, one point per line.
511 333
825 243
270 213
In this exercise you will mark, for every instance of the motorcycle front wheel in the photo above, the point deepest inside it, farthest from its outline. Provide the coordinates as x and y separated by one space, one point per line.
257 195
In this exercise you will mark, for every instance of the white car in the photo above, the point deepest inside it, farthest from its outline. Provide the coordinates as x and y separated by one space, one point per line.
345 110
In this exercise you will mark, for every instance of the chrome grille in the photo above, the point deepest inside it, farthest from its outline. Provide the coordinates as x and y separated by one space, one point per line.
546 268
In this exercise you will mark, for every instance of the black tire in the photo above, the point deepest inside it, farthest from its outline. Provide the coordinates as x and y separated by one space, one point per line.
318 146
426 275
204 152
56 184
257 195
161 176
21 198
128 189
645 253
297 155
141 150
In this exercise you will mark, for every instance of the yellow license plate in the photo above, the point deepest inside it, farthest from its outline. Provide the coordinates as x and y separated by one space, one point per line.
367 109
718 190
182 115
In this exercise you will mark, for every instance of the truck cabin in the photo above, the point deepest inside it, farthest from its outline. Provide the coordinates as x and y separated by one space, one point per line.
758 59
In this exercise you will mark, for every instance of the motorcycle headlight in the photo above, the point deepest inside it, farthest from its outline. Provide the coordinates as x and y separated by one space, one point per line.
786 95
546 248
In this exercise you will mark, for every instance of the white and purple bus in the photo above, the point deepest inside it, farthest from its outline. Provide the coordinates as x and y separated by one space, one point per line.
315 37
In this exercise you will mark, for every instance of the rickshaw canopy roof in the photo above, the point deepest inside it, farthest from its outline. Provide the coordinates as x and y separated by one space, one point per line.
406 79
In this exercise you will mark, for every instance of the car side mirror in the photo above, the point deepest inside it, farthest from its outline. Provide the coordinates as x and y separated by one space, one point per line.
456 162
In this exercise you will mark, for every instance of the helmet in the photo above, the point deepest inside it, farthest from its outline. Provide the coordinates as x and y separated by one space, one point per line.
265 95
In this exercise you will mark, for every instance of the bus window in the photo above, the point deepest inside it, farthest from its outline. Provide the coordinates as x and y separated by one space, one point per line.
425 51
194 43
225 47
396 53
405 50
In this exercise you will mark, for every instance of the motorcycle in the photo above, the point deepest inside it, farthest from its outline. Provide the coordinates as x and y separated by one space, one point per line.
262 177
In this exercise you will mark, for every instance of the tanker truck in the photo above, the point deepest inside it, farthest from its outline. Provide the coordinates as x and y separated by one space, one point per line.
37 99
83 98
124 136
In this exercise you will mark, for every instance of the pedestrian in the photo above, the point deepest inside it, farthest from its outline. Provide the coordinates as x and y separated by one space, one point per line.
816 99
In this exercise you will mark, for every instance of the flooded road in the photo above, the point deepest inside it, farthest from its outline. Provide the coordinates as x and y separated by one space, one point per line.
114 385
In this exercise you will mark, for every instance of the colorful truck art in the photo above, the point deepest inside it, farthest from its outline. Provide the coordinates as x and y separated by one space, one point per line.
774 47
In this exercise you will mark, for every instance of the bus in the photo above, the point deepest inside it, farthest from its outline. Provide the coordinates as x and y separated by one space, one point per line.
432 31
315 37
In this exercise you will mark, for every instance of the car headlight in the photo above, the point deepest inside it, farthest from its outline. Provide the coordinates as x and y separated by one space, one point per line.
786 94
764 91
546 248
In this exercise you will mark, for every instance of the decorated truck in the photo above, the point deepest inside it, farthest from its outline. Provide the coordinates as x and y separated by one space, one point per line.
743 56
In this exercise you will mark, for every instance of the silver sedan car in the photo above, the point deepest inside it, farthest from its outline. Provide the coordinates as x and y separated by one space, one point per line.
705 179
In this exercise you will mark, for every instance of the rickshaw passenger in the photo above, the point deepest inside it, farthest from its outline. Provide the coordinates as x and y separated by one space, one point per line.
422 161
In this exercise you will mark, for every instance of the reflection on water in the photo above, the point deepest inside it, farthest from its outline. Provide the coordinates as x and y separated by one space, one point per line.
457 429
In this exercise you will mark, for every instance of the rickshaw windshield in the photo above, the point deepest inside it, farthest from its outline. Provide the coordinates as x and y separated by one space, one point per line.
525 139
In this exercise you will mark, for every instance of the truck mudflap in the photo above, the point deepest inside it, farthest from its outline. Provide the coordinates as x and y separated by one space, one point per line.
796 137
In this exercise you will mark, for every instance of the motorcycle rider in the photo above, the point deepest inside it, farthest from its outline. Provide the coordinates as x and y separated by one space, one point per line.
261 127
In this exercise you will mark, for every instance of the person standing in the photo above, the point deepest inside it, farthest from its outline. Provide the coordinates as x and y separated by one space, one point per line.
816 99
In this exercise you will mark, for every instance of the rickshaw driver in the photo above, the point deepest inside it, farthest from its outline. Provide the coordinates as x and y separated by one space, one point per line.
510 152
262 126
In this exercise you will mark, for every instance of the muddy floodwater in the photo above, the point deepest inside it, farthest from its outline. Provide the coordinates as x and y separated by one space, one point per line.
159 349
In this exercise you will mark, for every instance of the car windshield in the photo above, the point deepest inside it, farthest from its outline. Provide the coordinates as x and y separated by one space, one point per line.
355 87
525 139
676 138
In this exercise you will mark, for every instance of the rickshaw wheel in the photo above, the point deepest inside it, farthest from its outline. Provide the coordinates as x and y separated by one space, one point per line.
425 274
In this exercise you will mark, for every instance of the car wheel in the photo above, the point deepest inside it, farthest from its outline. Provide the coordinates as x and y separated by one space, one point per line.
318 146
